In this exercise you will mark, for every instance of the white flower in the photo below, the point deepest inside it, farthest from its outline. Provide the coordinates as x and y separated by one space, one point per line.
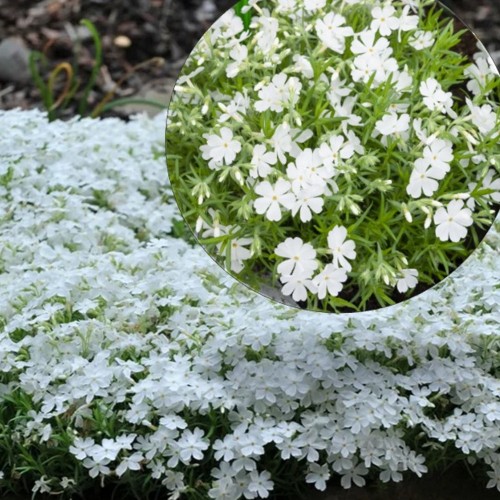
313 5
392 124
421 40
261 161
42 485
272 197
483 117
192 445
332 32
345 110
81 447
494 185
239 54
282 141
96 469
266 32
438 155
65 482
423 179
133 462
407 22
281 92
355 142
354 475
379 63
407 280
494 476
342 248
227 26
301 257
270 97
330 280
403 83
303 66
308 199
239 253
308 170
297 285
235 109
435 98
384 20
365 44
452 221
335 149
480 74
260 484
298 172
220 149
338 89
412 4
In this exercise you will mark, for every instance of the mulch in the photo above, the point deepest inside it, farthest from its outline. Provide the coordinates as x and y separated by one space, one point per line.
131 34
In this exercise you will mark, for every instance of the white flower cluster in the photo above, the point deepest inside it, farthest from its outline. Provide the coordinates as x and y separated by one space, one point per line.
103 313
298 268
307 159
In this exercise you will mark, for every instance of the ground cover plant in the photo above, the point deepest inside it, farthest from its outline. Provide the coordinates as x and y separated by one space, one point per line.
128 360
345 153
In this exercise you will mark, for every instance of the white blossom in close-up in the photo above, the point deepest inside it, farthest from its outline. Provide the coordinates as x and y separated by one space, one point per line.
341 247
220 149
272 198
408 279
300 257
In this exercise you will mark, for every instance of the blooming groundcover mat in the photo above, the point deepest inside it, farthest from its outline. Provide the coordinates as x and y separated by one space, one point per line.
127 356
340 152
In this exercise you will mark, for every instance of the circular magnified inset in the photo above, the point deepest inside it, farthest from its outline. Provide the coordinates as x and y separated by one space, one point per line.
337 155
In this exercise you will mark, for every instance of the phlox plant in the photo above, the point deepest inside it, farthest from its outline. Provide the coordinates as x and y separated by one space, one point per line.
344 153
132 367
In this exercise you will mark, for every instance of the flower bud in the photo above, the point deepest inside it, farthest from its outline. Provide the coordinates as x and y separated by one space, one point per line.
470 139
354 208
368 161
199 224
